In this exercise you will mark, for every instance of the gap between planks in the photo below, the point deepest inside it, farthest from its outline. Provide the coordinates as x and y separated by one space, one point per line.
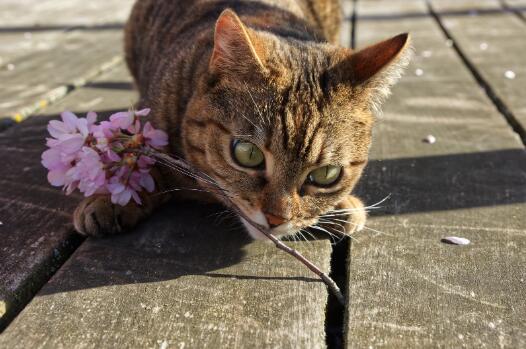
486 86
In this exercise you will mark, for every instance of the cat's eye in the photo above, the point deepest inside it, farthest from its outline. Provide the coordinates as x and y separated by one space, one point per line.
325 176
247 154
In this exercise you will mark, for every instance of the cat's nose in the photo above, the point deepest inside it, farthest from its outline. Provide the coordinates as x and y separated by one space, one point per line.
274 221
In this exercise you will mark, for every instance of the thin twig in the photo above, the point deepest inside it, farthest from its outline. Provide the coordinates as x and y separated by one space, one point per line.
189 170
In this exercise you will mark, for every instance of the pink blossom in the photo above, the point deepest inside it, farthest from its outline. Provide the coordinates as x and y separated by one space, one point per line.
122 120
88 172
106 157
154 138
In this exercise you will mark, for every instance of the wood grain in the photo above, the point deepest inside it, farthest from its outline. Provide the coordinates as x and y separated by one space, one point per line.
494 41
182 279
406 288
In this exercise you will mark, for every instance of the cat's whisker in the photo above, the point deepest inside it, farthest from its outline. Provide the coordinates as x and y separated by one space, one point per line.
365 227
343 234
341 229
255 104
304 231
179 189
183 171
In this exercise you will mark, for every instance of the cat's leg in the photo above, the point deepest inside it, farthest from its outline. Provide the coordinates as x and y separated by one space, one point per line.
98 216
357 216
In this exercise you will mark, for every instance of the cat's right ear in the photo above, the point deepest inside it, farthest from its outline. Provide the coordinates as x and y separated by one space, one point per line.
236 48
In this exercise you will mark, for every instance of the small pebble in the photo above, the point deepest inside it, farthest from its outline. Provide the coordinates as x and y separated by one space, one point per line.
10 66
419 72
449 43
483 46
430 139
509 74
455 240
427 53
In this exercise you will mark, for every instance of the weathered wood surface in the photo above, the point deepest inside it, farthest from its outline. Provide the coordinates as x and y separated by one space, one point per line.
48 14
181 280
406 288
494 41
44 55
36 233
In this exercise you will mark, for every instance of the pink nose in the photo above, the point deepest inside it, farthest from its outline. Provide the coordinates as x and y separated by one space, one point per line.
274 221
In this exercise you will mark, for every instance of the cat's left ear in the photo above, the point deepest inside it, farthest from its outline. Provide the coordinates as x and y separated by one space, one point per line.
375 69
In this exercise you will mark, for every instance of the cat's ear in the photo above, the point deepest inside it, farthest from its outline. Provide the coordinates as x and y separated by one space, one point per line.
236 48
377 68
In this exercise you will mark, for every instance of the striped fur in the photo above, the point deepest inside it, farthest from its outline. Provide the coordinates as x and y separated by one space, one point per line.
265 71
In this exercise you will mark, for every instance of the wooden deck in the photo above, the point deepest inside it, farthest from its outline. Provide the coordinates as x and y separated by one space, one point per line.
190 278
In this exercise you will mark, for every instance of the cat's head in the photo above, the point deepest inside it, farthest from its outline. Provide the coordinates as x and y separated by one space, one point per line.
284 125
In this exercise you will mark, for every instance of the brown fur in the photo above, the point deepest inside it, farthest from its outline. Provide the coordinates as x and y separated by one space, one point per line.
267 72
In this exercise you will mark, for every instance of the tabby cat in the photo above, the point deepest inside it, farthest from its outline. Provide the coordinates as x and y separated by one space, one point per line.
256 95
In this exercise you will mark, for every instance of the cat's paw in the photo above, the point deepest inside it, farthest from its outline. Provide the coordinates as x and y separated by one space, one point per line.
97 216
356 216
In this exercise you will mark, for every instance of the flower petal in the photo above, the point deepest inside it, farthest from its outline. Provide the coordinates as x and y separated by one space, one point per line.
143 112
70 120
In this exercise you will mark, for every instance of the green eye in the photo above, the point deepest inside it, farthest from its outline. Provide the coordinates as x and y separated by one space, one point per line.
325 176
247 154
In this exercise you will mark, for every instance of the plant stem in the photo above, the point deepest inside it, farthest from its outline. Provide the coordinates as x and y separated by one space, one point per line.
179 163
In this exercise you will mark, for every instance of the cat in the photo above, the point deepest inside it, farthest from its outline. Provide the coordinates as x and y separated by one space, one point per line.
258 96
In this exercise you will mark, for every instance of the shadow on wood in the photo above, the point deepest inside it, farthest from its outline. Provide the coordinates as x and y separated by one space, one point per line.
455 181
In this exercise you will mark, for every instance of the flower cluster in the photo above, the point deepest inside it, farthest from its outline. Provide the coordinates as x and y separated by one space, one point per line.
110 157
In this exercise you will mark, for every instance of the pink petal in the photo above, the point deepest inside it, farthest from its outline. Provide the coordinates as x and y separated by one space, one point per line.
143 112
57 128
113 156
122 120
122 198
51 159
70 120
71 143
56 178
82 126
91 117
136 197
147 182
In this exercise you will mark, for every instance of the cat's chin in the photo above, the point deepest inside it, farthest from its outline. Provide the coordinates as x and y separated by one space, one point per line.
280 231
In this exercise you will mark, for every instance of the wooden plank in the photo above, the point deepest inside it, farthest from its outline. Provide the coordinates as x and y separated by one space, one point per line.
24 32
406 288
37 80
49 14
36 233
43 56
495 43
181 280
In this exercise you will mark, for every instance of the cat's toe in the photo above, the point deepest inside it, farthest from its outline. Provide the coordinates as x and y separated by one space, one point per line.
97 216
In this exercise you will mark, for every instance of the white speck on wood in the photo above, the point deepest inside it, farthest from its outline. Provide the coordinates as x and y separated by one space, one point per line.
427 53
163 345
509 74
430 139
455 240
419 72
10 66
483 46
